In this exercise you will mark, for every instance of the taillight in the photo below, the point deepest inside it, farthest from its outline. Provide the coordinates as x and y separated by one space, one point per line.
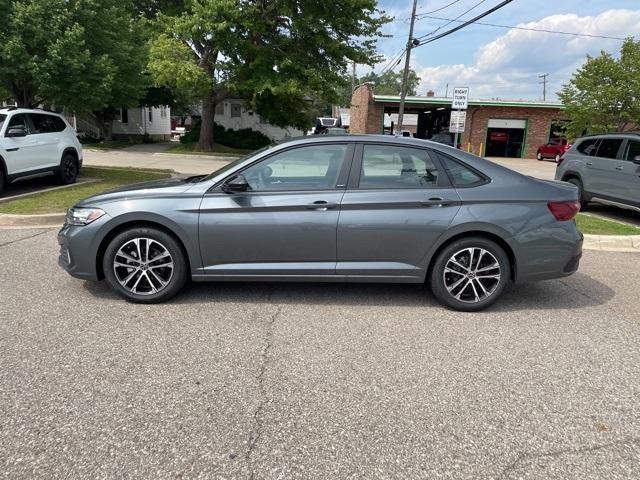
564 211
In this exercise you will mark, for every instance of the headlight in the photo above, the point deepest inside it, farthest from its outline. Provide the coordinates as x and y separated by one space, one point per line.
82 216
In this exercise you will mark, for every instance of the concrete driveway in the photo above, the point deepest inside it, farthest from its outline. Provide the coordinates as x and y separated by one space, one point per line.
269 381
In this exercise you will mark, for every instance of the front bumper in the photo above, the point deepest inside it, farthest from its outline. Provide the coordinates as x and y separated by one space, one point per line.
78 249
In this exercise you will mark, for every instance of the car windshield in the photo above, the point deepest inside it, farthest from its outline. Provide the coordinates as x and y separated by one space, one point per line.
230 165
3 117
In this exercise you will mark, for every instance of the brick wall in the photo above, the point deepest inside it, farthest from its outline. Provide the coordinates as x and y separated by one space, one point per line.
538 125
366 116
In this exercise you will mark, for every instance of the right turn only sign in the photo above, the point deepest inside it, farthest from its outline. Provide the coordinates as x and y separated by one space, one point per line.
460 98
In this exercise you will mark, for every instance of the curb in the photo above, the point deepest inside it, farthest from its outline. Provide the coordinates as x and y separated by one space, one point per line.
603 243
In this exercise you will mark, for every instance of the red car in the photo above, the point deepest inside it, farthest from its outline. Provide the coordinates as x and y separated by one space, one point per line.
554 149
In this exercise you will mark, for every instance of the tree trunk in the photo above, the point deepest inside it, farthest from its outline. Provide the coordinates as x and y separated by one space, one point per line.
205 141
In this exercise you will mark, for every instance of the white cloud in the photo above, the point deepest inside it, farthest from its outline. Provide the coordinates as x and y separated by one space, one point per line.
508 67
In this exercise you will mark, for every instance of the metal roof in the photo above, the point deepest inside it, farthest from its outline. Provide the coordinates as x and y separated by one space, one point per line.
479 103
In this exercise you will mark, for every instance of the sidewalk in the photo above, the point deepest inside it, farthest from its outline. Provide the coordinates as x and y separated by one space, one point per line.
152 156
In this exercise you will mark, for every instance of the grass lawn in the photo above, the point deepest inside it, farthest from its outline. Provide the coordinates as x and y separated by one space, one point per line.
107 145
599 226
192 148
57 201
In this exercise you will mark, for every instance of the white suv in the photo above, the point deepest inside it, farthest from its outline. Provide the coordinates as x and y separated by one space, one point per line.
36 142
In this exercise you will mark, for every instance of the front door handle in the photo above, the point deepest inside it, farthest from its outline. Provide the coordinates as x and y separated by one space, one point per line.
619 167
321 205
589 163
436 202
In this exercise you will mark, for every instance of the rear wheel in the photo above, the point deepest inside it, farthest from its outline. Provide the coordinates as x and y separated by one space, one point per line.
584 202
470 274
145 265
539 156
68 170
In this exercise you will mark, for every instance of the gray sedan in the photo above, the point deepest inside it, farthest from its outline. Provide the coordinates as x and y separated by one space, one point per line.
357 208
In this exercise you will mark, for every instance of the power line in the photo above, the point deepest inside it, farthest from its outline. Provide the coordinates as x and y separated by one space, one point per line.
531 29
394 61
451 21
467 22
437 9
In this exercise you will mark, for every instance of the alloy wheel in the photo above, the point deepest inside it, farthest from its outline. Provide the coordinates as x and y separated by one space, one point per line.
143 266
70 169
471 275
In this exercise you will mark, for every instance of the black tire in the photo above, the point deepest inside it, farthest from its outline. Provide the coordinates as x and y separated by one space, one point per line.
68 169
470 285
539 157
153 275
584 201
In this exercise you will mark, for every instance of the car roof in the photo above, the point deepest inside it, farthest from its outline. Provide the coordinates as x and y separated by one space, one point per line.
14 109
610 135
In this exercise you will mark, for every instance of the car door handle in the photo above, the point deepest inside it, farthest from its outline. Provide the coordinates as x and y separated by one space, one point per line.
321 205
589 163
619 167
436 202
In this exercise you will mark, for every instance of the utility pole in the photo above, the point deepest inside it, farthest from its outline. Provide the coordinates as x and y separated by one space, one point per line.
353 77
544 85
405 76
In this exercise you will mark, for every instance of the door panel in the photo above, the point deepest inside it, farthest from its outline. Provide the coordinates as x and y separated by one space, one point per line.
22 153
269 233
630 174
389 232
398 204
603 175
47 139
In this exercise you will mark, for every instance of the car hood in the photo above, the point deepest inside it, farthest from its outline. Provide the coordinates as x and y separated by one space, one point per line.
155 188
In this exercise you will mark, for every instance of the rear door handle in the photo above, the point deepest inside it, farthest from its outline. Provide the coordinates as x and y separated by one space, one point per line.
589 163
619 167
321 205
436 202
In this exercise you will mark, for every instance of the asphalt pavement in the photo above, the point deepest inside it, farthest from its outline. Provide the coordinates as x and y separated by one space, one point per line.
287 381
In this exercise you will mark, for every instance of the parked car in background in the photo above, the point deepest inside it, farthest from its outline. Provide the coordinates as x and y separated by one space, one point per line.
554 149
605 168
34 143
355 208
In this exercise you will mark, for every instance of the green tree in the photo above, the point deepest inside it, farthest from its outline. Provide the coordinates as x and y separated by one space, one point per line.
79 54
604 94
277 55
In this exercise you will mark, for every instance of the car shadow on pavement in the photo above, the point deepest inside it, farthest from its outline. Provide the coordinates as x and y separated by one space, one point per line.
577 291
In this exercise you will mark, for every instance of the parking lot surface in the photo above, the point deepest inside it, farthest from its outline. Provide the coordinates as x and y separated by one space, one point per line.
267 381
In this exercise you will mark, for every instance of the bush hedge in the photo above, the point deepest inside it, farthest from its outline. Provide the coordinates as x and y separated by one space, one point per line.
245 138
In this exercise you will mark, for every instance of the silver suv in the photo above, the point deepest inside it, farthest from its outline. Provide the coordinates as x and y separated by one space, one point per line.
605 168
36 142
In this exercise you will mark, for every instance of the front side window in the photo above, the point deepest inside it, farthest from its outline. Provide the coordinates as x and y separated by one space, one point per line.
632 150
386 166
305 168
2 119
18 121
609 147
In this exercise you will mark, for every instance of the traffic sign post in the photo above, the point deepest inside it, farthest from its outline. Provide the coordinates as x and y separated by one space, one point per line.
459 106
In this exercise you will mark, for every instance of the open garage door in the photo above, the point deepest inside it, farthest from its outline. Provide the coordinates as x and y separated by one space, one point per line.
505 137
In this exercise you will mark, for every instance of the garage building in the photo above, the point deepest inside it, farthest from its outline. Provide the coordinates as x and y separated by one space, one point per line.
501 128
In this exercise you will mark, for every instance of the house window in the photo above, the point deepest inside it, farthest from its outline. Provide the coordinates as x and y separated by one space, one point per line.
124 115
236 109
220 108
150 114
163 112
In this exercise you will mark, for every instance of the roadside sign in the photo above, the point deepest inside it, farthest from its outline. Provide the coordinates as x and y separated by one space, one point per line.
460 98
457 121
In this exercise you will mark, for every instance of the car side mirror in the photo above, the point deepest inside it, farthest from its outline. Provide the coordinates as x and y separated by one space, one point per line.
636 160
236 185
16 132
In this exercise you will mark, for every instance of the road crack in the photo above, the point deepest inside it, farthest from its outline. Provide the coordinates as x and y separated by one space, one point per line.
23 238
258 420
529 457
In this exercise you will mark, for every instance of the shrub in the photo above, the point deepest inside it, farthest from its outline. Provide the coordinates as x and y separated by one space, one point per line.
245 139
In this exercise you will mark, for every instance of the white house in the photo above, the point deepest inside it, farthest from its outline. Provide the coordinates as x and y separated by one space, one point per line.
136 122
233 114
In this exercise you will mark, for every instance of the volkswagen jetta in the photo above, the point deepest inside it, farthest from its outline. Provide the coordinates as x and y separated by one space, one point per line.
355 208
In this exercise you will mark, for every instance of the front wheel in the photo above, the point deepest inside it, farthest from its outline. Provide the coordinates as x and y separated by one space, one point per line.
470 274
145 265
539 156
584 202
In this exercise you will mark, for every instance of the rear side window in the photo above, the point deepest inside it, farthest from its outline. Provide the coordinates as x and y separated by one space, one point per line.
385 166
609 147
461 175
2 119
44 123
632 150
588 146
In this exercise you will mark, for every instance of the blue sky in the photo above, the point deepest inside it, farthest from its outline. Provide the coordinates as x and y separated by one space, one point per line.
504 63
